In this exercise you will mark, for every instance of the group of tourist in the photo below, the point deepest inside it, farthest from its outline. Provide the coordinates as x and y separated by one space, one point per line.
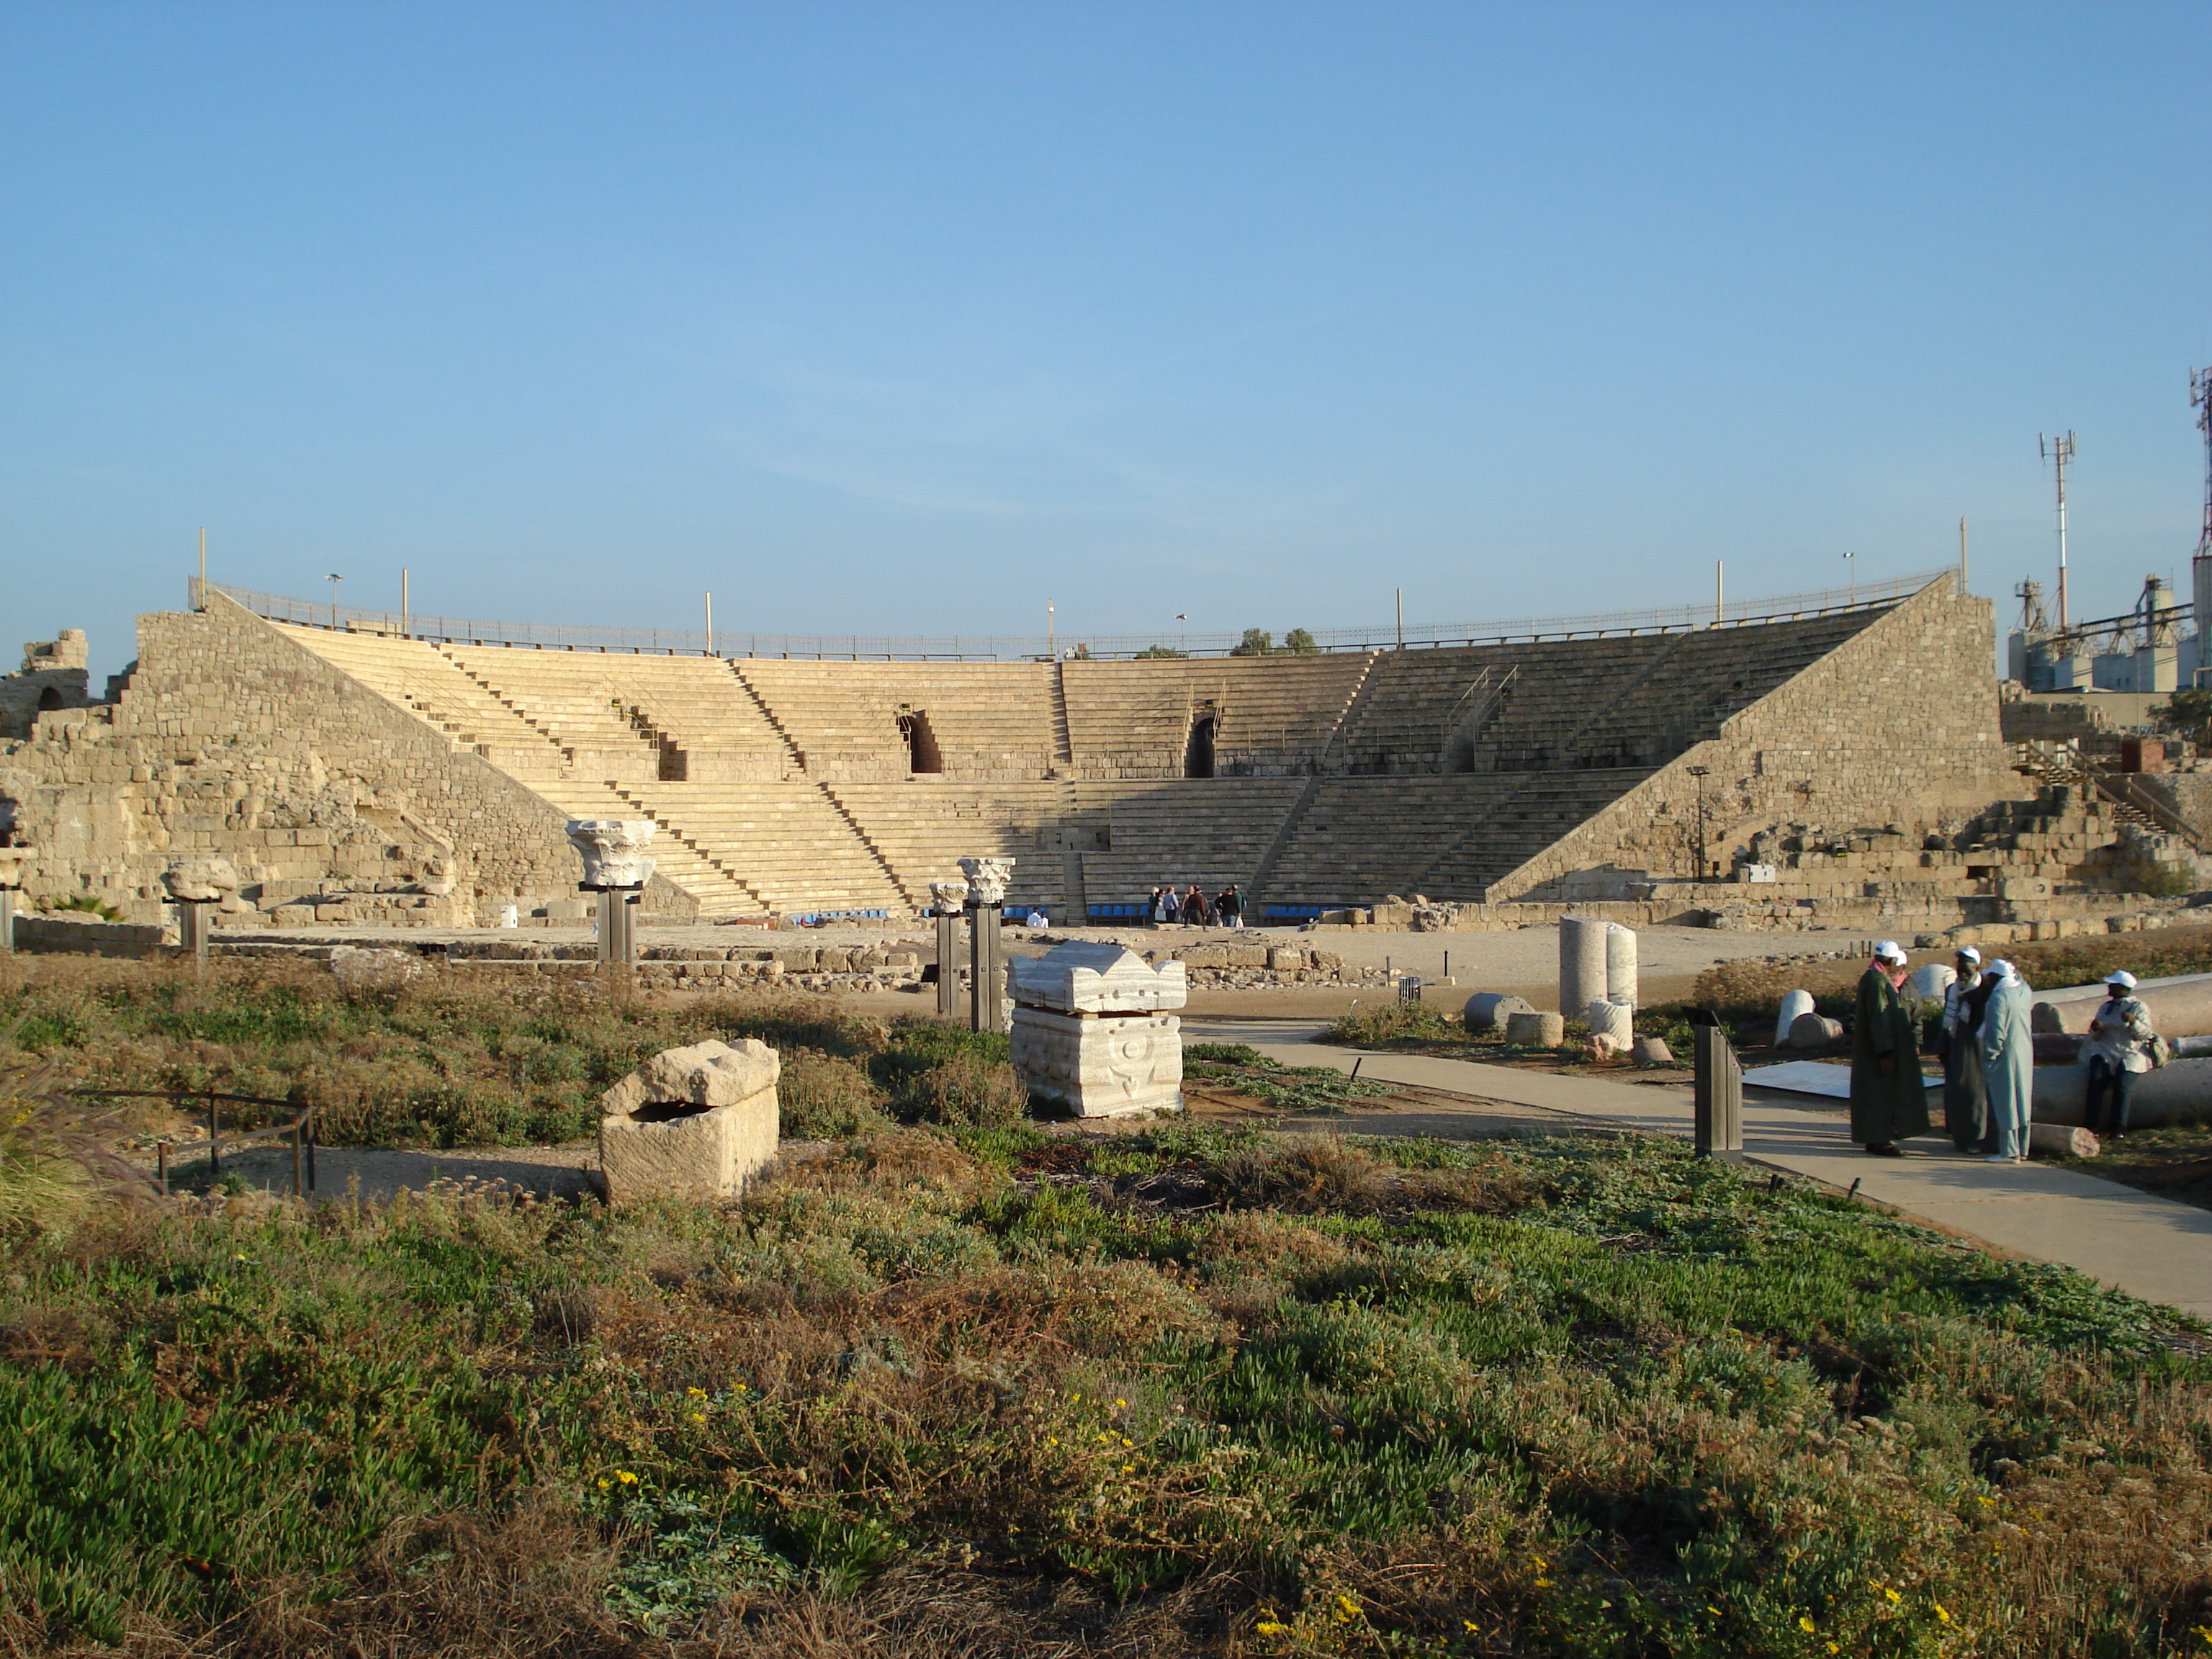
1191 909
1988 1048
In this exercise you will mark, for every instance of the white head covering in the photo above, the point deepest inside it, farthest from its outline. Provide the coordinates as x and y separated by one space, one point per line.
2003 969
2122 978
1890 950
1970 953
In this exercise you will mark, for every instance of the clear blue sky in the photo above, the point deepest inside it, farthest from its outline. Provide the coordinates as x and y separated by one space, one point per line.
910 319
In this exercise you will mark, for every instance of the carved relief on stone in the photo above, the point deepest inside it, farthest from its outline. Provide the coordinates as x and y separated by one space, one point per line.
987 881
613 850
947 896
1100 1067
1093 977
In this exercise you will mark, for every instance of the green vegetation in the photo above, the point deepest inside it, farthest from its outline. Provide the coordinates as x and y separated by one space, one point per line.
1259 642
474 1058
84 904
1161 651
996 1391
1234 1065
2188 713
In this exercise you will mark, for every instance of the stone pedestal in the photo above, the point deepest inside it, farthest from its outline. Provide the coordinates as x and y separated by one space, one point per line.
1091 1033
1535 1030
617 922
699 1122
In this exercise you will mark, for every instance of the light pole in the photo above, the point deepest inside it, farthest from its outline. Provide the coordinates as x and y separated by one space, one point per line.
1183 634
1851 564
334 579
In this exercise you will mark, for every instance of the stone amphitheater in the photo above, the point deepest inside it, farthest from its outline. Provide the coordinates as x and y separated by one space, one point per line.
1845 765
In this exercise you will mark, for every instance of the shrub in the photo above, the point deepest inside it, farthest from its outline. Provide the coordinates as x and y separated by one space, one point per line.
828 1097
1394 1022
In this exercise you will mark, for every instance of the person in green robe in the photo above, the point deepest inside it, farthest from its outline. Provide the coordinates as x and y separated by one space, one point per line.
1889 1099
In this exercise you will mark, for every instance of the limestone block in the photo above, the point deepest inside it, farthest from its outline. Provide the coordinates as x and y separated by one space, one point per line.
613 850
1282 961
707 1073
1487 1012
1652 1051
1812 1030
1604 1046
1794 1004
1931 982
1099 1065
368 972
1088 977
203 880
698 1122
1535 1030
1613 1020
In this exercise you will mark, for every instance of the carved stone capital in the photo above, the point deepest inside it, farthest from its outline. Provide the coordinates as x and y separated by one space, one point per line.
613 850
987 881
946 897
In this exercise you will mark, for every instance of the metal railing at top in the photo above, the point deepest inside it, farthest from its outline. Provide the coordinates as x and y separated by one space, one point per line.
1036 647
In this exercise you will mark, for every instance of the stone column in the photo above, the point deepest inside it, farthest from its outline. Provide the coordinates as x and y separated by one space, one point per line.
1620 964
1718 1130
617 869
12 860
1582 964
192 928
987 893
947 899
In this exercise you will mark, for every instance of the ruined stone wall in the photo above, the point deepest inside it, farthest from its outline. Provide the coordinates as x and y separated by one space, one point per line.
232 740
53 676
1898 725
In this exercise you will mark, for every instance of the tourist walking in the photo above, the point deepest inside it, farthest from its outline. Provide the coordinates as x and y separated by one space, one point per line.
2121 1038
1230 907
2007 1062
1889 1101
1966 1100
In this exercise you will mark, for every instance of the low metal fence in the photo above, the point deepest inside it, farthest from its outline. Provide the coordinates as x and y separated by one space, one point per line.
299 1132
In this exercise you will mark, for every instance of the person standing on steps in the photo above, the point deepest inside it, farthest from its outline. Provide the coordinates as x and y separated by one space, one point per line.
1889 1101
1966 1100
2120 1039
2007 1062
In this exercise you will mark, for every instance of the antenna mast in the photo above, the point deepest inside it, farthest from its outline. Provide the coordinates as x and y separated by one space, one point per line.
2059 452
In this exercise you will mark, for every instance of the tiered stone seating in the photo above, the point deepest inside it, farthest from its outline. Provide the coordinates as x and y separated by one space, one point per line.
1212 832
925 826
574 697
1271 713
699 706
989 719
1446 837
413 674
788 842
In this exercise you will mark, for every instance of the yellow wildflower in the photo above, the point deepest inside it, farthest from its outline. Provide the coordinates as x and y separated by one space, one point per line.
1942 1613
1805 1623
696 1393
1892 1595
626 1477
1270 1627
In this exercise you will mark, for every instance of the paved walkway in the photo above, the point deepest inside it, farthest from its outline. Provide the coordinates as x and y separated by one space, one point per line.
2136 1242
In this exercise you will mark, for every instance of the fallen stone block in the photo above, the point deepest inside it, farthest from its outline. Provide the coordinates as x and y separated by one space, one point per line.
1487 1012
697 1122
2057 1140
1535 1030
1652 1051
1810 1030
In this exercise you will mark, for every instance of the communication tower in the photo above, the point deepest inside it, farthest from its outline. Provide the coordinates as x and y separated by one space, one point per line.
2059 452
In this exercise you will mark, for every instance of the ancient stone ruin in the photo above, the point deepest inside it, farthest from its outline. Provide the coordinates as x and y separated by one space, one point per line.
698 1122
1089 1032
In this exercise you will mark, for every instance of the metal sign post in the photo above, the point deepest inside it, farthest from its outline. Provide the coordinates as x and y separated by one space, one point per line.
1719 1097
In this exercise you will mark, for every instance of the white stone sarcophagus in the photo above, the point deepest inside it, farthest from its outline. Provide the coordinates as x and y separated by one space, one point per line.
1091 1031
